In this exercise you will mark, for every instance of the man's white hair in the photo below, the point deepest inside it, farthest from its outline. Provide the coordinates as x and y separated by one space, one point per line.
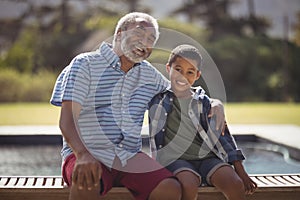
130 18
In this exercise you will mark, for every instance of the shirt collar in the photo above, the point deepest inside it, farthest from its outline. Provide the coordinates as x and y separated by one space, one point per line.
109 55
197 92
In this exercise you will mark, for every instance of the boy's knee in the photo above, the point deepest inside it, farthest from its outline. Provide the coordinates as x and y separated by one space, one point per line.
171 185
239 184
169 188
190 188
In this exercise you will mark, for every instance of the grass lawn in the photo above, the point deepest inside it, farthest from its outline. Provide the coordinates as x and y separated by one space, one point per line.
28 114
263 113
236 113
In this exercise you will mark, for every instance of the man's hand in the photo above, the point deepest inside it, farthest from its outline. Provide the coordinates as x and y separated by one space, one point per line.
87 172
217 110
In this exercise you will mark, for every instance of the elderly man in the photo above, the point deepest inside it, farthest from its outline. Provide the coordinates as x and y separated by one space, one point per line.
103 96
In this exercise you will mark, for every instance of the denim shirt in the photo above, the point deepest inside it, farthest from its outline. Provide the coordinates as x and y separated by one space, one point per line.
223 146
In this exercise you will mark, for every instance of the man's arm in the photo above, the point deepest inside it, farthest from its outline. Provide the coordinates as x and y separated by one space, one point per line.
87 171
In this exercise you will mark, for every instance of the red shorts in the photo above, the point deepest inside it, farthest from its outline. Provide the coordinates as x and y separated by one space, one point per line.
141 184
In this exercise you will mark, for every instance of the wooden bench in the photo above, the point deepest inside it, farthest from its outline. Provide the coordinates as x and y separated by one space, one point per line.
284 186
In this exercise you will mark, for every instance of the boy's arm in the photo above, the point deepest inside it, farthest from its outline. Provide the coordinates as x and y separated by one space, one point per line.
249 184
217 110
237 158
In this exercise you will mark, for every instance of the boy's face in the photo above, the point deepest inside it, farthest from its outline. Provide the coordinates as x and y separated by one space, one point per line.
183 73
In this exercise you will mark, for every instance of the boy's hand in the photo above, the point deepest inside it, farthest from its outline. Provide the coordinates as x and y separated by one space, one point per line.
249 184
217 110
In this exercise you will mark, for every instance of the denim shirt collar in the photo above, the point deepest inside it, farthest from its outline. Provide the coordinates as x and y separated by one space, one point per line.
198 92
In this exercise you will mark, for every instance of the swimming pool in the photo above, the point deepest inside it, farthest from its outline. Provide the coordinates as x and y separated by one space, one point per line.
30 160
43 160
268 158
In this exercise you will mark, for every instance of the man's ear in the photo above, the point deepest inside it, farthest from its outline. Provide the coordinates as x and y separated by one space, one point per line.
118 36
168 68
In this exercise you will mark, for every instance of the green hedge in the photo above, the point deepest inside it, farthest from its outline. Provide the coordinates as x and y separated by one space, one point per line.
18 87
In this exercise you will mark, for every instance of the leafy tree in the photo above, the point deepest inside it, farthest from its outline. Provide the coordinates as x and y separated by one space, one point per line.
297 30
253 68
48 41
215 14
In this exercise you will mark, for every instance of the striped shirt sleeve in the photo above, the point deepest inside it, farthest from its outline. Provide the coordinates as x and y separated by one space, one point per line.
73 82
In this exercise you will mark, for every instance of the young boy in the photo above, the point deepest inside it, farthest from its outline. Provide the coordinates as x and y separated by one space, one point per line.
184 138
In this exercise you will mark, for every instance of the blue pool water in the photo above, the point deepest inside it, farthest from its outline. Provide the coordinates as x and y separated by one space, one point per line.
266 158
45 159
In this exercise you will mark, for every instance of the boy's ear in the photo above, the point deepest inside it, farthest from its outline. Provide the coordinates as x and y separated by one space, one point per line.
198 74
168 68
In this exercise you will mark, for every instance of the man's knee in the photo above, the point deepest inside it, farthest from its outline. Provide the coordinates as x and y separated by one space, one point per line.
79 194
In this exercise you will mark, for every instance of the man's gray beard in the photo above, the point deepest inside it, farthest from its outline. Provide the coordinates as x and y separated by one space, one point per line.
129 54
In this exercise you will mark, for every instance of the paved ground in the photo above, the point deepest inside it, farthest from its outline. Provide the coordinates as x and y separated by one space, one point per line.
288 135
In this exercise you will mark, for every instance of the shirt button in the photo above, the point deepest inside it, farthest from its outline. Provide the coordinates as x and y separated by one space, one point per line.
160 146
120 145
166 114
163 130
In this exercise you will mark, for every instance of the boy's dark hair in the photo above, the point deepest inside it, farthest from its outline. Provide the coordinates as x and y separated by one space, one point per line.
186 51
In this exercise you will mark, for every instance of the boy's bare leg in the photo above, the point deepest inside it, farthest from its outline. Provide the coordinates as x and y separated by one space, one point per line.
189 184
228 182
168 189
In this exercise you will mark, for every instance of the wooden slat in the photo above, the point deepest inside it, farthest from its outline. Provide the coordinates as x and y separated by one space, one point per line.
21 182
296 177
275 180
49 182
3 181
12 182
39 182
283 180
257 181
265 181
30 182
291 180
275 187
58 182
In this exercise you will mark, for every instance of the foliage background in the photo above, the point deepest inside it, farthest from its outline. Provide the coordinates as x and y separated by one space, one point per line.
43 40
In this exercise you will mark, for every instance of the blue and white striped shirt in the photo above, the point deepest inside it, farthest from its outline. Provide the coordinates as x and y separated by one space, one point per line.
113 102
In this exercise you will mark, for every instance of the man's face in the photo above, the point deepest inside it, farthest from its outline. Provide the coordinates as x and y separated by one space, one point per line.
137 41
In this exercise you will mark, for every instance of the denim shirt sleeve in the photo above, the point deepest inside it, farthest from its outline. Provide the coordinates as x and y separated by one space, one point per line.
227 141
158 109
229 144
155 135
